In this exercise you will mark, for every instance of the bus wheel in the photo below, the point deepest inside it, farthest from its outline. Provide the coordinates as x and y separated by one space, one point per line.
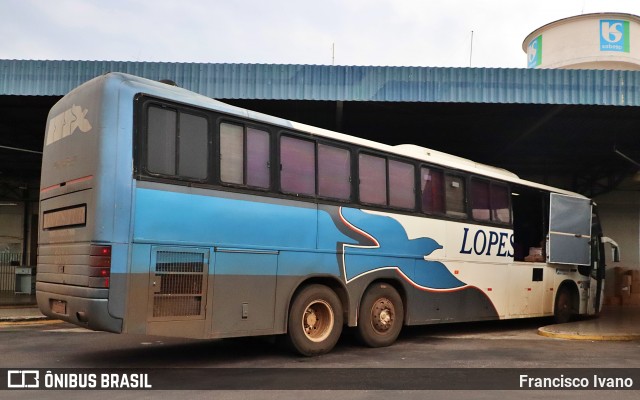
563 310
315 320
381 316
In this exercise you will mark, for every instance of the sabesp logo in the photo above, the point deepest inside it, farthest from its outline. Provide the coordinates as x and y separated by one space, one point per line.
534 52
611 31
614 35
66 123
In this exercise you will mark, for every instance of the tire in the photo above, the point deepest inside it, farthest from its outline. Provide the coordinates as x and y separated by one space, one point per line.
315 320
563 309
381 316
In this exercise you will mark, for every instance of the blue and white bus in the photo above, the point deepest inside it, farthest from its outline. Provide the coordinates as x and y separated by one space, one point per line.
164 212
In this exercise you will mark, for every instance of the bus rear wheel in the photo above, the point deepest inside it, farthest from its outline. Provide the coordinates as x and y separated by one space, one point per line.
315 320
381 316
563 310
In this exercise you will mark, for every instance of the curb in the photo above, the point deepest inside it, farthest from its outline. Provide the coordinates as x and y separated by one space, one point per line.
544 331
25 319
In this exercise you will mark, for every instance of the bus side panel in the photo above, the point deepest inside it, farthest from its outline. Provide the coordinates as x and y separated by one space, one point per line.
244 293
246 236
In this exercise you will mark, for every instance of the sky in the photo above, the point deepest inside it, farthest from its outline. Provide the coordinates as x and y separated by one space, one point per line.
429 33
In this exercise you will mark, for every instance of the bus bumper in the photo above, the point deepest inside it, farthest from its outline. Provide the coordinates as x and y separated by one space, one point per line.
91 313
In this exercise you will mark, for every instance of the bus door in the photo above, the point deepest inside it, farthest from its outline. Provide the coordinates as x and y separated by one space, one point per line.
570 239
569 230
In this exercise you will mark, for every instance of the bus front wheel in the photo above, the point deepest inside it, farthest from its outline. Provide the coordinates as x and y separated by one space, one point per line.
381 316
563 310
315 320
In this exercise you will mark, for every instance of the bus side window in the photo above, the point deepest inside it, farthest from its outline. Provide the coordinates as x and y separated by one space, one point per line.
257 158
161 141
432 184
193 142
244 155
490 201
402 185
177 144
373 179
480 200
455 196
231 153
334 172
500 207
297 166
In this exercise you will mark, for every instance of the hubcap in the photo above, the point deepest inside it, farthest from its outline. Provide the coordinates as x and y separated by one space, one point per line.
382 315
318 320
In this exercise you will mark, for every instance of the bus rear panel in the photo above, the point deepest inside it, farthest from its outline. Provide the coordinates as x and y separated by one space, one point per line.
82 249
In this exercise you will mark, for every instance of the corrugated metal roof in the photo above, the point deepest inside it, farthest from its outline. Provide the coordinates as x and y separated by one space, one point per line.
347 83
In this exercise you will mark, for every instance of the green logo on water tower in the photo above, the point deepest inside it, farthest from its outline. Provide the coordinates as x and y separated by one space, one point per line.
534 52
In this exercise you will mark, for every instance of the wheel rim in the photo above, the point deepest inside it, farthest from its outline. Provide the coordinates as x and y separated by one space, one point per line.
318 320
383 315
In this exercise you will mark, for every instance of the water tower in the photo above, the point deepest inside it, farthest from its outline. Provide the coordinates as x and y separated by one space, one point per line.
588 41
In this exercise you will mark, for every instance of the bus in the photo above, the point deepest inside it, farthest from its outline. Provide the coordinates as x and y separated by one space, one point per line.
164 212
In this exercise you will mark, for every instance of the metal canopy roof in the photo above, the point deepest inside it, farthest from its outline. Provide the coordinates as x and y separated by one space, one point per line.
562 127
341 83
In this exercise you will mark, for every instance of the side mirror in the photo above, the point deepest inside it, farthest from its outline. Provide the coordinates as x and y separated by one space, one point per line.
615 249
615 253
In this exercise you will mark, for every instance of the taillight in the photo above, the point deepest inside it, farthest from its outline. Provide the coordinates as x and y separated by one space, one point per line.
100 250
100 263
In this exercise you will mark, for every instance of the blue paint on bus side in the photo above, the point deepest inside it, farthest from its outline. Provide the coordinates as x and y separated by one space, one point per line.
342 242
201 220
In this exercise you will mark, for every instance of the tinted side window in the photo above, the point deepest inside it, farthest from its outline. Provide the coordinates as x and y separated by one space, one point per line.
298 171
402 185
432 186
373 179
500 208
177 143
480 202
161 141
334 172
244 155
257 158
231 153
455 196
193 147
490 201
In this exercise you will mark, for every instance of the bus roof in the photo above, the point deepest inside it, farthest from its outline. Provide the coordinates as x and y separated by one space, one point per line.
175 93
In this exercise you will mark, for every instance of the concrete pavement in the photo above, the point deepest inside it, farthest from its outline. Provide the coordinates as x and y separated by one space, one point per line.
614 323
